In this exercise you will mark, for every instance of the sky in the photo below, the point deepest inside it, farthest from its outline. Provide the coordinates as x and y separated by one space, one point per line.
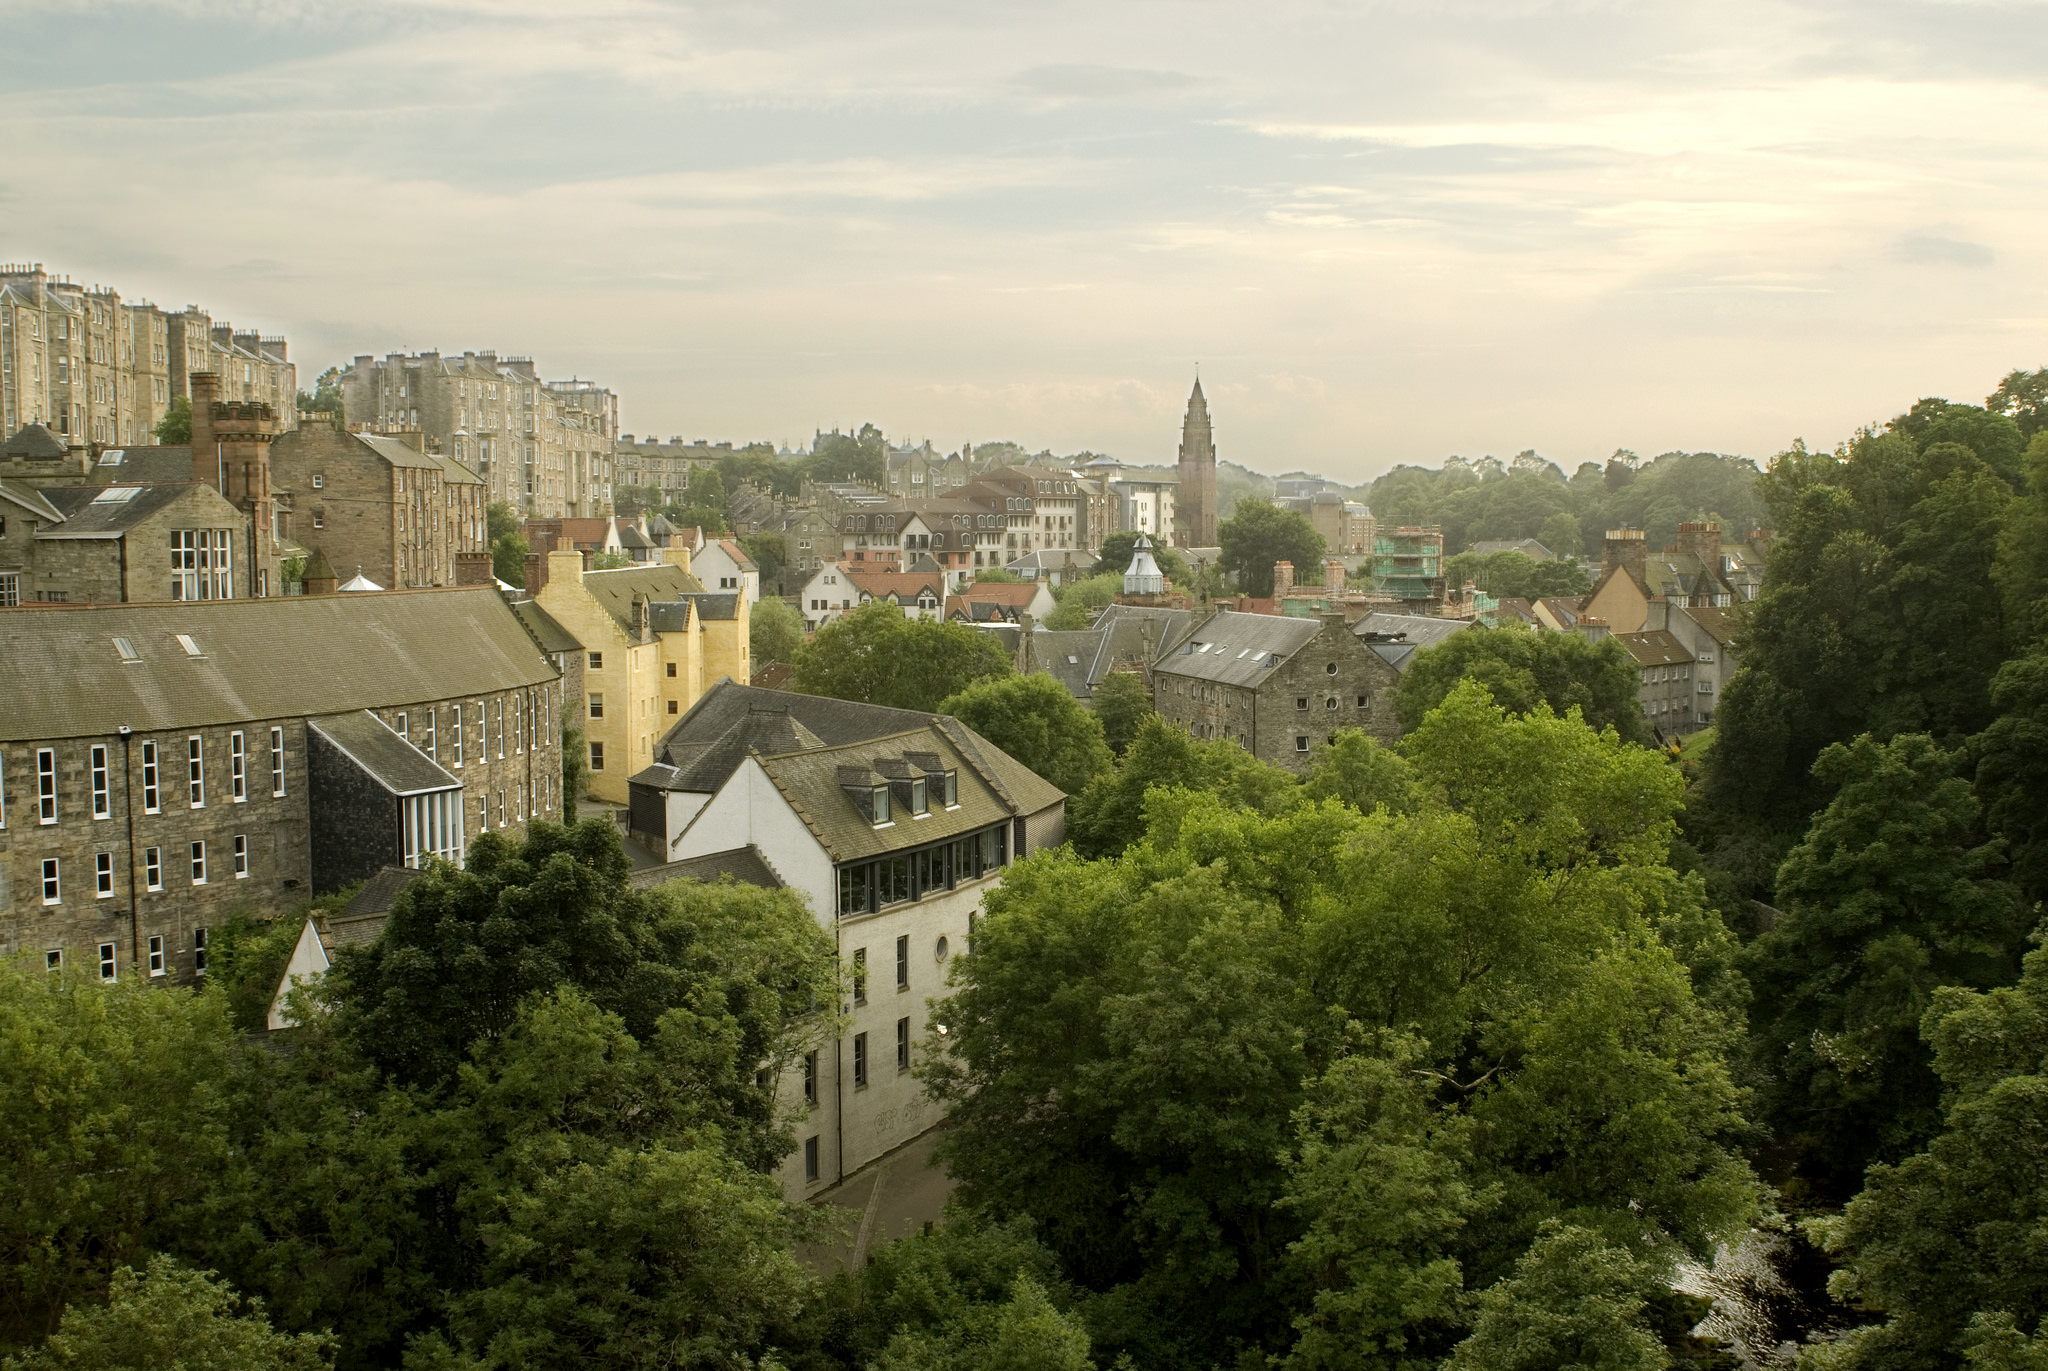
1383 232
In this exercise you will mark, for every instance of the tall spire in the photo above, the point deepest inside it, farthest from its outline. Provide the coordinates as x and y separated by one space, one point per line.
1195 498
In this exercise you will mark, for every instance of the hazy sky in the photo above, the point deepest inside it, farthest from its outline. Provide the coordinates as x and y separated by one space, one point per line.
1387 232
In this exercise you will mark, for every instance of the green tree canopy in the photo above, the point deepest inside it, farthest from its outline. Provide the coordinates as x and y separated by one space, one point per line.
2023 398
1893 893
1561 534
170 1316
1259 534
175 428
1516 574
775 631
1523 667
877 655
1109 815
1036 721
1081 601
1123 702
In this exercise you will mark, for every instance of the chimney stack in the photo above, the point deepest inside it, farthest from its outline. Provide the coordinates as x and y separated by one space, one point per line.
474 569
1283 579
1625 547
1333 575
205 461
1702 541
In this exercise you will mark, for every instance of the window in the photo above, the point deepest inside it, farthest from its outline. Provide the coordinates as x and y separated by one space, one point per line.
860 1061
54 960
811 1158
101 805
1301 742
53 886
1331 669
671 670
156 954
597 756
106 961
149 778
103 874
455 731
153 868
1362 700
202 564
10 589
860 975
241 856
903 1044
319 481
277 761
811 1079
46 785
199 862
238 767
672 707
501 730
597 661
199 952
596 706
195 769
1301 702
903 963
1330 702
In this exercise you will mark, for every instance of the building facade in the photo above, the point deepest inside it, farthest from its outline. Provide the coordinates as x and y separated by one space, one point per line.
378 504
163 766
543 447
111 544
1195 514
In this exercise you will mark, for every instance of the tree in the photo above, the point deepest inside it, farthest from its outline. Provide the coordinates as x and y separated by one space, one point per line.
1560 533
112 1113
509 547
1122 702
2011 763
1892 893
2023 398
766 549
1259 534
1109 815
630 500
1036 721
575 767
1522 667
326 397
1114 558
1081 601
175 428
172 1316
1361 773
775 630
1516 574
1575 1300
1025 1334
1945 1243
878 656
996 575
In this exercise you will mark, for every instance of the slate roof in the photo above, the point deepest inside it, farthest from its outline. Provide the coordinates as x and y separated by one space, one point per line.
765 729
671 616
383 755
546 629
1653 647
281 657
1239 649
30 499
170 464
1722 625
1069 656
36 443
744 864
717 604
397 452
811 782
616 590
89 512
726 702
381 891
1414 632
1566 609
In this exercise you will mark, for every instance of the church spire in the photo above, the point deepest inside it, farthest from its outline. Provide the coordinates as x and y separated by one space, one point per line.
1195 499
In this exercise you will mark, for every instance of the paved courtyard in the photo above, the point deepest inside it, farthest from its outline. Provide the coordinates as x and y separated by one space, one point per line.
893 1196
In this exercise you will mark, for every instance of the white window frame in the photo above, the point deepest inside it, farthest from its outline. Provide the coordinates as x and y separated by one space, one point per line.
238 767
103 875
198 853
3 790
153 868
46 785
150 790
199 952
195 771
277 762
110 964
102 800
53 881
241 856
156 954
455 732
433 748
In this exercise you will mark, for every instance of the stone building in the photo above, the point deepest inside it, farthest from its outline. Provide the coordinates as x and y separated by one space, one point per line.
110 544
652 639
543 447
664 466
163 766
1695 572
1195 513
1665 687
1278 687
378 504
101 371
894 825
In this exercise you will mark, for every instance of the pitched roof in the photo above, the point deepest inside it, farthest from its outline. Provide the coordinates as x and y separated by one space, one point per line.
832 721
1396 638
546 629
383 754
1015 594
63 676
1653 647
29 498
1239 649
738 554
744 864
766 729
616 590
1722 625
397 452
110 511
34 442
906 586
1069 656
717 604
168 464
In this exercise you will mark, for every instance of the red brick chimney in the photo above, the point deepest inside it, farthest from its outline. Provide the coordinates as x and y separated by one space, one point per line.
1704 542
474 569
205 460
1625 547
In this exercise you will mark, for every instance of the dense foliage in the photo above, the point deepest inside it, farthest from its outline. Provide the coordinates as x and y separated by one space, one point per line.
1261 533
1035 720
1516 574
877 655
1522 667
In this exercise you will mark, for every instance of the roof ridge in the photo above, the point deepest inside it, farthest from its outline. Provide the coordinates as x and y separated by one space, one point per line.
946 723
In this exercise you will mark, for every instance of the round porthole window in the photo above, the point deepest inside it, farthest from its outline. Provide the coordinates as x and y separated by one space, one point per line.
1331 668
940 951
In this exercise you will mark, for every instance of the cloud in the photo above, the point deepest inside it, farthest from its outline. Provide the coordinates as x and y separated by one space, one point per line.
1932 250
1080 82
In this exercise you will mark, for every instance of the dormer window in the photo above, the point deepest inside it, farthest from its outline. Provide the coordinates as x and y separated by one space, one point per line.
878 806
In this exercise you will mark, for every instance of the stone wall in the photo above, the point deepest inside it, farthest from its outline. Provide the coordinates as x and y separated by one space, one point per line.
1304 698
352 514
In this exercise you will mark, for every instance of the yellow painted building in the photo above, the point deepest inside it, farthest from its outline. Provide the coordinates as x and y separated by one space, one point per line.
652 639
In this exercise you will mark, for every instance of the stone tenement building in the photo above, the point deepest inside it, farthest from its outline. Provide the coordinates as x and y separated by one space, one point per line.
1278 687
163 766
543 447
1195 496
663 466
894 824
97 370
109 544
379 504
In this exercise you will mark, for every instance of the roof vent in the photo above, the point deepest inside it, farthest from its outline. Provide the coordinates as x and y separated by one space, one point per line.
191 647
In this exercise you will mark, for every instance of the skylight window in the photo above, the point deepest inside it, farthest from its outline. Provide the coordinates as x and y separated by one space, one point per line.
191 648
117 495
113 457
127 650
